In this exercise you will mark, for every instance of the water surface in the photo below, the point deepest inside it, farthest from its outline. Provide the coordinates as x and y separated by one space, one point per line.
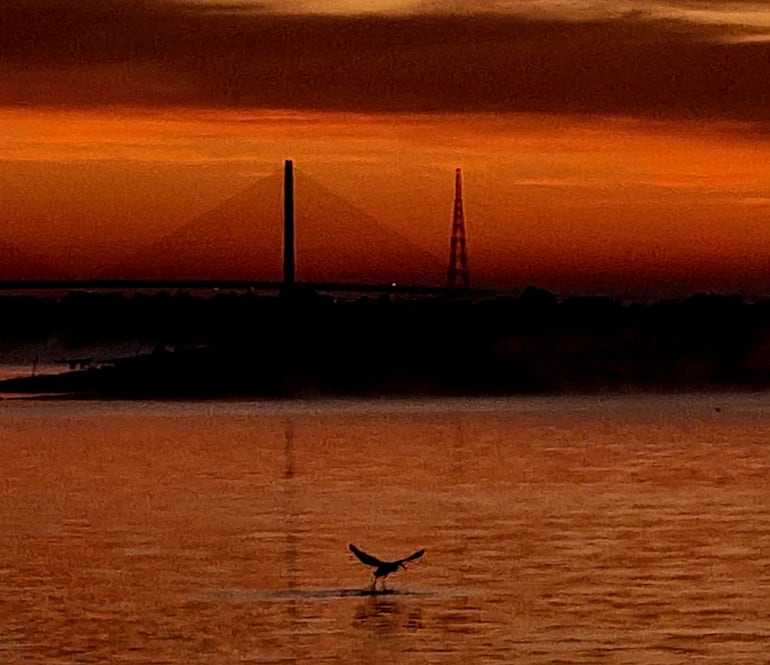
579 530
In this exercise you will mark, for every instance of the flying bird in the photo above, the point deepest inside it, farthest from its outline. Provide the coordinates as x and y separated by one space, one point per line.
383 568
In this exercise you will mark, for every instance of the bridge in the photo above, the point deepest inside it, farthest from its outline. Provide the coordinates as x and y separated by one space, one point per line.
386 248
213 285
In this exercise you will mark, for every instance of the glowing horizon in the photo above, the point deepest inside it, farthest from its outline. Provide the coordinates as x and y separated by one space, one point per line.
594 140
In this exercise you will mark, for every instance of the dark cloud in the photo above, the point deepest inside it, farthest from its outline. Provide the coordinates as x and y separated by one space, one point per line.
105 52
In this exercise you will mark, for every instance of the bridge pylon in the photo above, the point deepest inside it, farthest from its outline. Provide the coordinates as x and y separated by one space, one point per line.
289 251
457 273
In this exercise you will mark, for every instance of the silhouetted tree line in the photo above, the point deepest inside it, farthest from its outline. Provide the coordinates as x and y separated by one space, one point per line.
302 343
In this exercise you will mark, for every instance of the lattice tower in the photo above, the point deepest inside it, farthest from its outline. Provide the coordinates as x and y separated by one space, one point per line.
457 273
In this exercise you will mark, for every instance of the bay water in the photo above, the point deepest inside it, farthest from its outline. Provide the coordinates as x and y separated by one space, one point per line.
614 529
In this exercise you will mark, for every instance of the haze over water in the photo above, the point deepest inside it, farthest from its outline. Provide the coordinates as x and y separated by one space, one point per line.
580 530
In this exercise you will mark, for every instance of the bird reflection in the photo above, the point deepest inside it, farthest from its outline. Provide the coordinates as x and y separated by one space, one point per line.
378 613
386 616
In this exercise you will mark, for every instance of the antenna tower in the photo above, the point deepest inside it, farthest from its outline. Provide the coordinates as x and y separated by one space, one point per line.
457 274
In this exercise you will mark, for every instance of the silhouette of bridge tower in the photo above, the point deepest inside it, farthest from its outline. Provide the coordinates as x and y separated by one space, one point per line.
289 249
457 273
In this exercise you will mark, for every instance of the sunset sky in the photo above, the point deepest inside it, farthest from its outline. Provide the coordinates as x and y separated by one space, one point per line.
606 147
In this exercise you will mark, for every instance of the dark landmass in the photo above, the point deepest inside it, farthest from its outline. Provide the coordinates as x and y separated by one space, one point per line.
303 344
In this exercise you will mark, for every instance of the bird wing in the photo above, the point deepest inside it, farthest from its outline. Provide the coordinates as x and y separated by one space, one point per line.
363 557
412 557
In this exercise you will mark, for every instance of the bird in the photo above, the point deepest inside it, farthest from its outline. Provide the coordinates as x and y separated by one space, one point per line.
383 568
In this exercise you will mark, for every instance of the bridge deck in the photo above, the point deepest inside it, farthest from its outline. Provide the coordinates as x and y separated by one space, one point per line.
213 285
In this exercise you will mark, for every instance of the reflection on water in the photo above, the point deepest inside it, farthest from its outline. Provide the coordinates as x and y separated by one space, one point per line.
556 530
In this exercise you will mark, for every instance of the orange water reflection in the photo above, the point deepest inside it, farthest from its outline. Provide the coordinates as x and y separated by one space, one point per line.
572 529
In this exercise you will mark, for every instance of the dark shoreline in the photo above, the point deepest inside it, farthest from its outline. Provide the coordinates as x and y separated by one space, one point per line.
308 345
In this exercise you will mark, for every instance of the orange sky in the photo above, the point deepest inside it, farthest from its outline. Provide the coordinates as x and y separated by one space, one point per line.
602 151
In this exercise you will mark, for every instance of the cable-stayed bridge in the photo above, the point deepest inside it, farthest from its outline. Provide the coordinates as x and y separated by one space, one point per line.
337 249
215 285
